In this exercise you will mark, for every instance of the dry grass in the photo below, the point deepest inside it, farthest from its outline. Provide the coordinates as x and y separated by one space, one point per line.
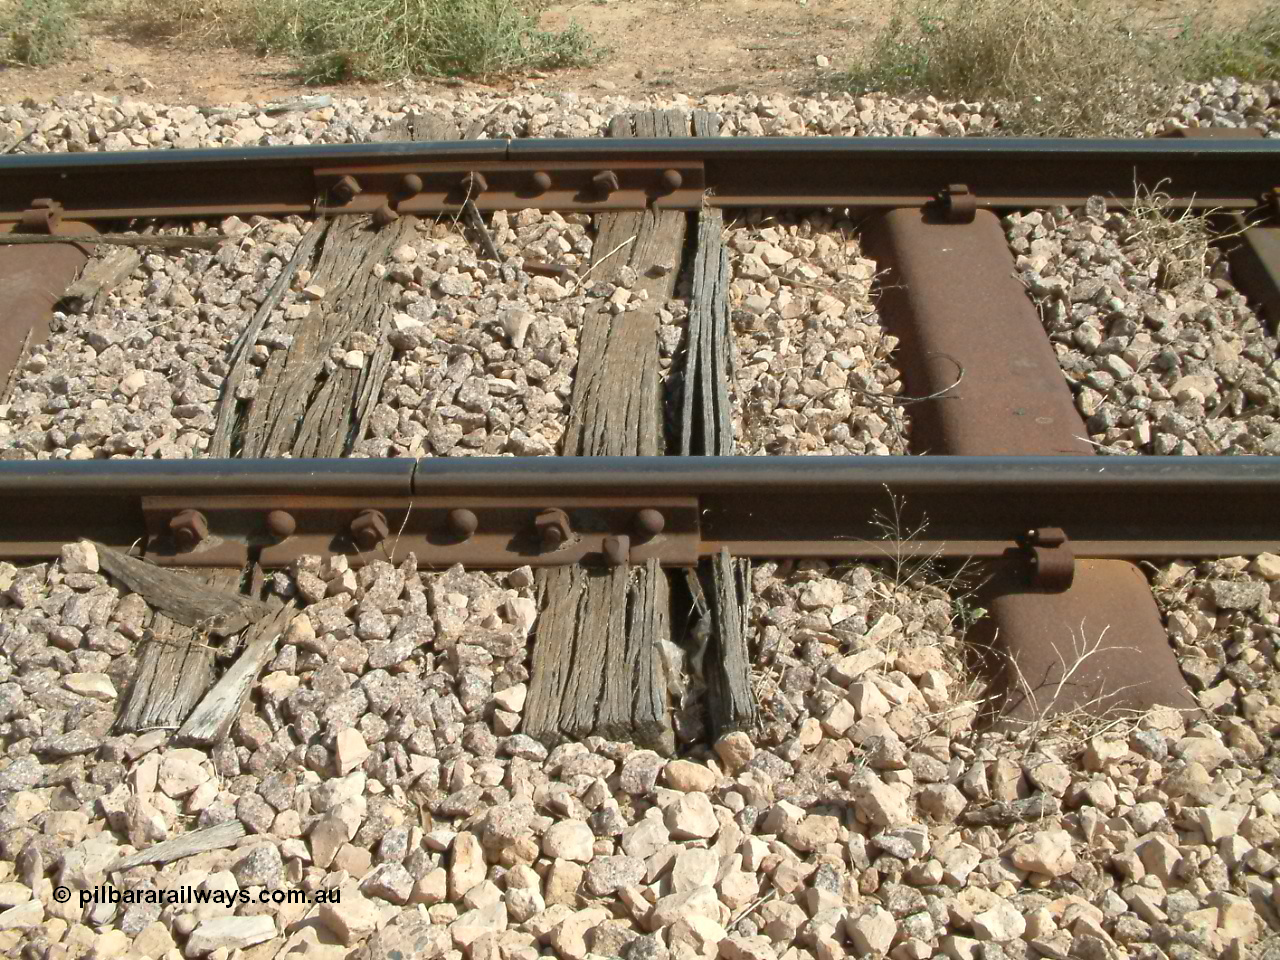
1176 242
1059 720
909 568
1059 67
335 40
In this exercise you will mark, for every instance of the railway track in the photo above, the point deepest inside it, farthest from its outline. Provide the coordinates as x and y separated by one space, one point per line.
646 514
971 345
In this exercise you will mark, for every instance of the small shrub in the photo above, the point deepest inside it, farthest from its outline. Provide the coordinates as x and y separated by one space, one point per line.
382 39
1057 67
1250 51
38 32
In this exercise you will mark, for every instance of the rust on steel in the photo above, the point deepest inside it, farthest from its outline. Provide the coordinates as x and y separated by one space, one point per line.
1094 645
504 185
496 512
34 278
970 339
1255 267
602 175
975 349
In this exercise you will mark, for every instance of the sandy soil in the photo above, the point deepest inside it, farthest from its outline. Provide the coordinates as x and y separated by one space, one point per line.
656 46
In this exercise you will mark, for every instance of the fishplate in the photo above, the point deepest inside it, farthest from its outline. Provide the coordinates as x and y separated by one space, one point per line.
480 532
420 188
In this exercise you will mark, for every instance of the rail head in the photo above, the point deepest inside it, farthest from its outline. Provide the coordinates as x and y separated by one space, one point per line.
426 177
496 512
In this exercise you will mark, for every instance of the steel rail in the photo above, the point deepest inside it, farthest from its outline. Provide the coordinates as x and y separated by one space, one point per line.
838 507
862 172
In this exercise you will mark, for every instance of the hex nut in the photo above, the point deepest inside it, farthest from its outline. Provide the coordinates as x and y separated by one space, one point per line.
369 529
553 528
188 528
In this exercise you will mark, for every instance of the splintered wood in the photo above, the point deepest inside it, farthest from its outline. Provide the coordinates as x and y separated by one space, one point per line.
218 837
211 720
596 669
101 275
731 699
176 660
616 409
594 661
306 404
172 687
706 419
706 429
181 597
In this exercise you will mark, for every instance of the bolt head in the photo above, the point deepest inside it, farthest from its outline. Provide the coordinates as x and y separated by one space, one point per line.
606 181
649 523
463 523
411 183
346 189
475 182
672 179
542 181
281 524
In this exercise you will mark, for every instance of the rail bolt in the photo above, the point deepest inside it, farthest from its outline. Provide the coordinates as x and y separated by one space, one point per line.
649 523
463 523
617 550
346 189
605 182
385 215
411 184
369 529
553 528
474 183
672 180
541 181
188 528
281 524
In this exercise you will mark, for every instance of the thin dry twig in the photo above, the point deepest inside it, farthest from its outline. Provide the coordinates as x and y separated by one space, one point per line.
1083 720
591 268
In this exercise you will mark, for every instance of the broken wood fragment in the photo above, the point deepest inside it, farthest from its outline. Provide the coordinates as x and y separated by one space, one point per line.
1006 814
727 663
307 405
595 666
181 596
477 225
101 275
706 416
224 436
211 720
722 587
206 242
218 837
175 661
